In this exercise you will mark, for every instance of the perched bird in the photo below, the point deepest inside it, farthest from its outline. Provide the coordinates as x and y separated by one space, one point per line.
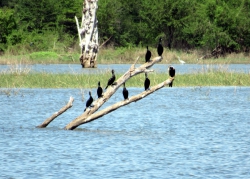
148 55
181 61
111 80
146 82
89 101
171 72
99 90
125 92
160 47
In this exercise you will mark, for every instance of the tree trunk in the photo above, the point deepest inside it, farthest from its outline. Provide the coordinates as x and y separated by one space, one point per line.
88 34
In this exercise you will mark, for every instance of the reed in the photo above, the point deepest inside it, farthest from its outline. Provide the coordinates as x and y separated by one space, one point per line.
205 77
121 56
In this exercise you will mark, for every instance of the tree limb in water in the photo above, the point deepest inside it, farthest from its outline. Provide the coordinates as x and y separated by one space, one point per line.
126 102
89 114
56 114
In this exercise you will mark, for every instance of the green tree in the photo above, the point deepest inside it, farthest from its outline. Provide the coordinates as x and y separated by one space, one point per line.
38 14
7 26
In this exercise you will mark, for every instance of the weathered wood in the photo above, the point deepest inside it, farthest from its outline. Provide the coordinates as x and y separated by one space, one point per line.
126 102
111 90
88 34
56 114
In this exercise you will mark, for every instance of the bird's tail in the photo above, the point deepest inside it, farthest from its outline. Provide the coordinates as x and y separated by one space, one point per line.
106 87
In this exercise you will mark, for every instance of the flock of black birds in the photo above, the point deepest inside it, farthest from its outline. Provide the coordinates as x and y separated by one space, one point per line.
125 93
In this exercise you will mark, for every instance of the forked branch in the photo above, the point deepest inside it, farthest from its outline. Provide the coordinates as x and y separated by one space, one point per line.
126 102
89 115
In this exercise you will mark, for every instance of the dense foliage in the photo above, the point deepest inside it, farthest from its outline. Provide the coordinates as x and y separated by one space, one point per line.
185 24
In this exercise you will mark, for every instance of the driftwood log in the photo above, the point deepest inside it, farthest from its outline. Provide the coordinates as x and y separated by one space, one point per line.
56 114
90 115
85 118
88 34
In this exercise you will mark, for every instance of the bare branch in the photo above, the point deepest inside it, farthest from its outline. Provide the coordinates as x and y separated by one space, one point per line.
79 30
126 102
132 68
110 91
56 114
105 42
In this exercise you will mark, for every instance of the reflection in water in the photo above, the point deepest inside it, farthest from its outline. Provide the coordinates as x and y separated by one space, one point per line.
200 132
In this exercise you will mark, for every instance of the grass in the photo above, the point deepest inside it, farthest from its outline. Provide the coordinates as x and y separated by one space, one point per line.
19 76
40 58
119 56
16 77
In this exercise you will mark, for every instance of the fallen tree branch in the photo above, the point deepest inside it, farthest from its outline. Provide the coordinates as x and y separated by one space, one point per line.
126 102
111 90
62 110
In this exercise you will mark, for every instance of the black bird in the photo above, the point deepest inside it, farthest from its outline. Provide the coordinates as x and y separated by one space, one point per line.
160 47
171 72
99 90
89 102
111 80
125 92
148 55
146 82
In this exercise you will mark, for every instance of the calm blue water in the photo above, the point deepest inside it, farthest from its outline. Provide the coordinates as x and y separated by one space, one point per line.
173 133
122 68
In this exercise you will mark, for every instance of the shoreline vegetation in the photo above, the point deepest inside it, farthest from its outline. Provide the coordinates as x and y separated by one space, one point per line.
121 56
209 76
21 77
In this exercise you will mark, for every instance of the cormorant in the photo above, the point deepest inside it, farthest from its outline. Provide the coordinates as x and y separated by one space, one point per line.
111 80
146 82
171 72
125 92
160 47
99 90
89 102
148 55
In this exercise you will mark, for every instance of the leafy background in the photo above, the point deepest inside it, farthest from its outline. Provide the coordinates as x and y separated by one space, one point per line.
49 25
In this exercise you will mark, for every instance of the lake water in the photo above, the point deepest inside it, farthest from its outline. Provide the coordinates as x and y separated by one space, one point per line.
122 68
196 132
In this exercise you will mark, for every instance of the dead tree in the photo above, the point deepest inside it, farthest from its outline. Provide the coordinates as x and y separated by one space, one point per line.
92 113
88 34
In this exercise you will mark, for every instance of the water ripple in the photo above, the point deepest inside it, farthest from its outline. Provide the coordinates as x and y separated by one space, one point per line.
187 134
